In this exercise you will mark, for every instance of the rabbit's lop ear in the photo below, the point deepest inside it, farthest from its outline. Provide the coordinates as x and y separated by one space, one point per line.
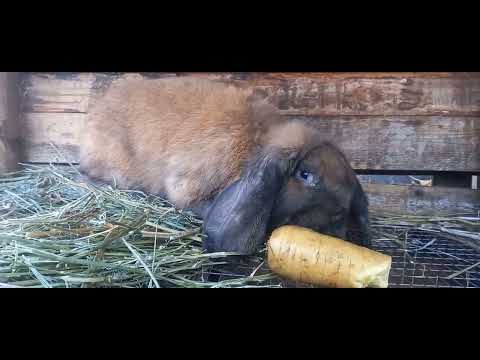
359 218
238 218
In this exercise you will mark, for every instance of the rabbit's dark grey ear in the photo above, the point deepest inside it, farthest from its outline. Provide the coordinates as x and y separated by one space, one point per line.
359 217
238 218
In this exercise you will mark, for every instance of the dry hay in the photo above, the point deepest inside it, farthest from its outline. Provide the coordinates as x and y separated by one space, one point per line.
56 231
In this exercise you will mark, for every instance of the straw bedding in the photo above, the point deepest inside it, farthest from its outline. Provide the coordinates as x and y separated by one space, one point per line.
56 231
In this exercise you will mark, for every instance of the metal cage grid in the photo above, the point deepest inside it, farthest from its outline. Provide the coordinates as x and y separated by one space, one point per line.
430 260
422 259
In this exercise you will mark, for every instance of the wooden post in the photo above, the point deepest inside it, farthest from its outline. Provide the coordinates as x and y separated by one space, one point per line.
9 147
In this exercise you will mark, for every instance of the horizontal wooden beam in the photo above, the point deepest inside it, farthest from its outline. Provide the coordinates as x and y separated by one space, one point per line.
369 94
43 135
281 76
405 144
57 92
418 200
60 128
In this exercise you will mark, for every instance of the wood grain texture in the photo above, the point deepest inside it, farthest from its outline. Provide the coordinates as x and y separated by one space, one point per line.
45 153
58 92
406 96
62 129
405 143
280 76
418 200
40 130
9 151
390 143
376 94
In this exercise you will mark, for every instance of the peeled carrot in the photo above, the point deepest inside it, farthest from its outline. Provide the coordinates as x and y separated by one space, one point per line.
303 255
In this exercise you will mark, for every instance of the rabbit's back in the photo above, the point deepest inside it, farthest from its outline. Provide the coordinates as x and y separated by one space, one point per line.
186 138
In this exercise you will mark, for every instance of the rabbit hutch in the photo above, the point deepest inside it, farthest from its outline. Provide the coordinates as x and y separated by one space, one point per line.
412 138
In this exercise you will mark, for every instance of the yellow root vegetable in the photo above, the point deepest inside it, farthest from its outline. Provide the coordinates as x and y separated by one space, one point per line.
303 255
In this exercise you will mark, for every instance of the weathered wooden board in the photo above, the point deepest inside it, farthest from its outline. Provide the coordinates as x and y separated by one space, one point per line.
59 128
279 76
9 151
390 143
409 96
366 93
57 92
45 153
41 130
405 143
299 93
420 200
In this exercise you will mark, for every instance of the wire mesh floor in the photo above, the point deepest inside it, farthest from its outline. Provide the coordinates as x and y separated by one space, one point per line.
422 259
431 261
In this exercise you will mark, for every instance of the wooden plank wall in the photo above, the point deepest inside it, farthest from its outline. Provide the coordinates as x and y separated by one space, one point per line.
383 121
9 149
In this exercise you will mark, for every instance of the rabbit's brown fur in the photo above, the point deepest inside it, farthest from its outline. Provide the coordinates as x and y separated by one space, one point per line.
183 137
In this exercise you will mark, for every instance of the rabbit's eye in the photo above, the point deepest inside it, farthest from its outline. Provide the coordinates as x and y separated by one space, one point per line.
306 176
